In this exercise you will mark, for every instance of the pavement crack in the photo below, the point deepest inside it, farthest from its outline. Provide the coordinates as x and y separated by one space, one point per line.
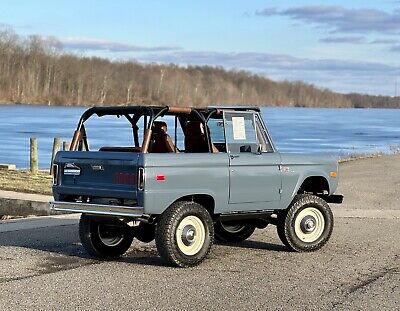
348 291
371 279
47 271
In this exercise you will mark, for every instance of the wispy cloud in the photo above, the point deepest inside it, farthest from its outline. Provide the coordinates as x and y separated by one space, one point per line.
341 19
384 41
392 45
346 40
395 48
263 61
354 75
90 44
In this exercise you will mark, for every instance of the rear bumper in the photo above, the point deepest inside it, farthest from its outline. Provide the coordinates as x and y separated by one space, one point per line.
97 209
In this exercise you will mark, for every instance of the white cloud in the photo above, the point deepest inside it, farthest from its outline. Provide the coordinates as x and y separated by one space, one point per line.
345 40
91 44
341 19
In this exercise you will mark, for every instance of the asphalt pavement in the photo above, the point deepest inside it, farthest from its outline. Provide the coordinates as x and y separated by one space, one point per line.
44 267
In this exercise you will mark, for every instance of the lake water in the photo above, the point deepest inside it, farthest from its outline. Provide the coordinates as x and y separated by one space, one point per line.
301 130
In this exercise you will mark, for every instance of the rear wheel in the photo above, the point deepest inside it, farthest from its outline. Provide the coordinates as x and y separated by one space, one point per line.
306 225
104 239
233 232
184 234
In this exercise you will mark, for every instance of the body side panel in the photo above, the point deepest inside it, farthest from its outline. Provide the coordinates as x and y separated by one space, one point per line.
255 178
297 168
183 175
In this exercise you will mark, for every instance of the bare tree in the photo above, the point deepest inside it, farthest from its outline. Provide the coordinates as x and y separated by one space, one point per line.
36 70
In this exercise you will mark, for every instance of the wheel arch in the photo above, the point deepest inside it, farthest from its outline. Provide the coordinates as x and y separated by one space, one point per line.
315 185
206 200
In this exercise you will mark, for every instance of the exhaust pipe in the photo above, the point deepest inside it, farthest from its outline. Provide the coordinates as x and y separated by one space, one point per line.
147 219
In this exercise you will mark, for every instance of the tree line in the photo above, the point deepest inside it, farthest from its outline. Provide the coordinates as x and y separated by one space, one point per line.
36 71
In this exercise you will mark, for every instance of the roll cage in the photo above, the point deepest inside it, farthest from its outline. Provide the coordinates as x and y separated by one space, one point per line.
150 114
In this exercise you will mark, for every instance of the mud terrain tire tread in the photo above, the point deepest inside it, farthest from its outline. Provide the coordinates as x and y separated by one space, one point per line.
88 234
286 220
167 224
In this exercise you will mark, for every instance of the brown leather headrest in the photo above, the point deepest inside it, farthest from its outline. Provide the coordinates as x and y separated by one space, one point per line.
195 128
159 127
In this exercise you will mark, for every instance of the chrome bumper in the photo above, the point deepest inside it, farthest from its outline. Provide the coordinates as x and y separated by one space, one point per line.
98 209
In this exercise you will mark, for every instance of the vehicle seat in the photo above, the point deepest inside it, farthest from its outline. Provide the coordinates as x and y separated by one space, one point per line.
195 138
161 142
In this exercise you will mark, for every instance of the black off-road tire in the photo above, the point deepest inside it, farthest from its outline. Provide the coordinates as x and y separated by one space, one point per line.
293 223
145 232
280 228
230 232
90 230
175 220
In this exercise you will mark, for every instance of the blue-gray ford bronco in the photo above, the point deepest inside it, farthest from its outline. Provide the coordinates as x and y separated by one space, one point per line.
189 176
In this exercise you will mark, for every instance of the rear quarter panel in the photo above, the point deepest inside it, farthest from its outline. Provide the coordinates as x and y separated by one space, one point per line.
185 174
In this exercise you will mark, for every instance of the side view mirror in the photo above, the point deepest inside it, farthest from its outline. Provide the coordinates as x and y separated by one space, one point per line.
245 148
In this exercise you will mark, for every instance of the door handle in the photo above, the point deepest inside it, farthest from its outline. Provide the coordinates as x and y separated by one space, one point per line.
233 156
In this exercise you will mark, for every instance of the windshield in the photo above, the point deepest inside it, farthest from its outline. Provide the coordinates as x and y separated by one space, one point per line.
216 127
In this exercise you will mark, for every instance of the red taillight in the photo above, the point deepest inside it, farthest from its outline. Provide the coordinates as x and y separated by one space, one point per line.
124 178
55 174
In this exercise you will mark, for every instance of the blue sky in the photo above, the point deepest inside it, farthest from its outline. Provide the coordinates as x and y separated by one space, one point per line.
342 45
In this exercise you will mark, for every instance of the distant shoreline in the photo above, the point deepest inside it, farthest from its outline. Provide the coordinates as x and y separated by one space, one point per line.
132 104
51 76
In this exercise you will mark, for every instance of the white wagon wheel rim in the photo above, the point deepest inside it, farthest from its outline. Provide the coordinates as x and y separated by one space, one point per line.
109 238
190 235
309 224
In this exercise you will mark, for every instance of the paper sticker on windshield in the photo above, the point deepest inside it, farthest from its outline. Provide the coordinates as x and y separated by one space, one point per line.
239 131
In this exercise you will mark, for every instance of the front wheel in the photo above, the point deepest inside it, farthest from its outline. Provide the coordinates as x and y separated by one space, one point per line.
233 232
306 225
104 239
184 234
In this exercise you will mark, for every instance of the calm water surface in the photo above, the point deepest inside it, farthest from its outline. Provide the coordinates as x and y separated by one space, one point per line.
300 130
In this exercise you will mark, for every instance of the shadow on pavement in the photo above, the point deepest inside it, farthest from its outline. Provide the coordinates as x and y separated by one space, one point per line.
64 240
251 244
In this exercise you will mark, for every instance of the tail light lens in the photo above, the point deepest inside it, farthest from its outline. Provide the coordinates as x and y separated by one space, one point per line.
141 178
55 174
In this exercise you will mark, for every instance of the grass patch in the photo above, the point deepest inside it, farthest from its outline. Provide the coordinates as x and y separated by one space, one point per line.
24 181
